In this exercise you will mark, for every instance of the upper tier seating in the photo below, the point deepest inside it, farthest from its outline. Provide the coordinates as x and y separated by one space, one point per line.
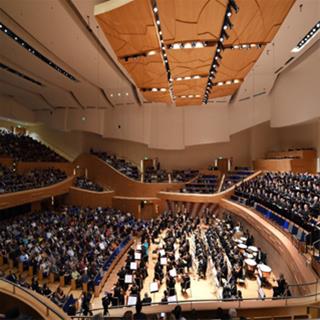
233 177
293 196
84 183
127 168
24 148
155 175
37 178
183 175
203 184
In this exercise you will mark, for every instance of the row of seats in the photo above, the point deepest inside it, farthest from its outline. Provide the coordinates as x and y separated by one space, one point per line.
125 167
85 183
11 181
204 184
25 148
234 177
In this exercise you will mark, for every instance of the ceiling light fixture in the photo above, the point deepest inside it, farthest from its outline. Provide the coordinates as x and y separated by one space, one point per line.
35 52
307 38
232 6
163 48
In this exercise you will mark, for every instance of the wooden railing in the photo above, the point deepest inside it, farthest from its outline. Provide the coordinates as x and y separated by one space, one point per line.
41 304
8 200
105 175
87 198
204 198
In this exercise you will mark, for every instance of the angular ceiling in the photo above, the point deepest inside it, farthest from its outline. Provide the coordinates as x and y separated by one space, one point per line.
189 51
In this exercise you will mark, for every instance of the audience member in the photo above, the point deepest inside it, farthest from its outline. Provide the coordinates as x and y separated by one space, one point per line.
12 181
25 148
84 183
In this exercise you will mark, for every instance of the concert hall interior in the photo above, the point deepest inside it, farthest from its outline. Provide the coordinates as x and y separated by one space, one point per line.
159 159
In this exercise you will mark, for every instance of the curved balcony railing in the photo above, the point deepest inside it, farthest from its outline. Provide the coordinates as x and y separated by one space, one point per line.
45 308
205 304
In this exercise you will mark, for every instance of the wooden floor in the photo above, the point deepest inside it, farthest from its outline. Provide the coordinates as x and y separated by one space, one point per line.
201 289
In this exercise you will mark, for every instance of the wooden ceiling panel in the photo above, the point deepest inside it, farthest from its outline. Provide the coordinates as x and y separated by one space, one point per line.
147 72
236 64
190 62
188 20
222 91
188 102
157 96
130 28
188 87
257 20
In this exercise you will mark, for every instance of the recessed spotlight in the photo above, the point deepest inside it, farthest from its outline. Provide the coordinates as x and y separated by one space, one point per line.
220 83
151 53
228 82
158 22
83 118
119 94
154 89
163 89
127 93
187 78
236 80
179 79
111 95
155 9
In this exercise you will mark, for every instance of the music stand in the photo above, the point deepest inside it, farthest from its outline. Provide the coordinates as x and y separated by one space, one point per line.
137 256
128 278
133 266
132 301
163 261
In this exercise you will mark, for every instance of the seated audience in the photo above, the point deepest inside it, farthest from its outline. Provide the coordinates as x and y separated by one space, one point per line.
25 148
234 177
12 181
183 175
84 183
71 242
127 168
295 196
202 184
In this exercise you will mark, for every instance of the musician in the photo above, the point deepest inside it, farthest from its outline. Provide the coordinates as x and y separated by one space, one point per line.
171 282
185 282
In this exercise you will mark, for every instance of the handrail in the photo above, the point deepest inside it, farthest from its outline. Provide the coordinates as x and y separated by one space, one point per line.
237 303
61 315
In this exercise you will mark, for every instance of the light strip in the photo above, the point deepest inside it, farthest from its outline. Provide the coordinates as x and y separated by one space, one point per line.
163 47
306 39
190 96
153 89
188 45
248 46
189 78
35 52
227 82
217 57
